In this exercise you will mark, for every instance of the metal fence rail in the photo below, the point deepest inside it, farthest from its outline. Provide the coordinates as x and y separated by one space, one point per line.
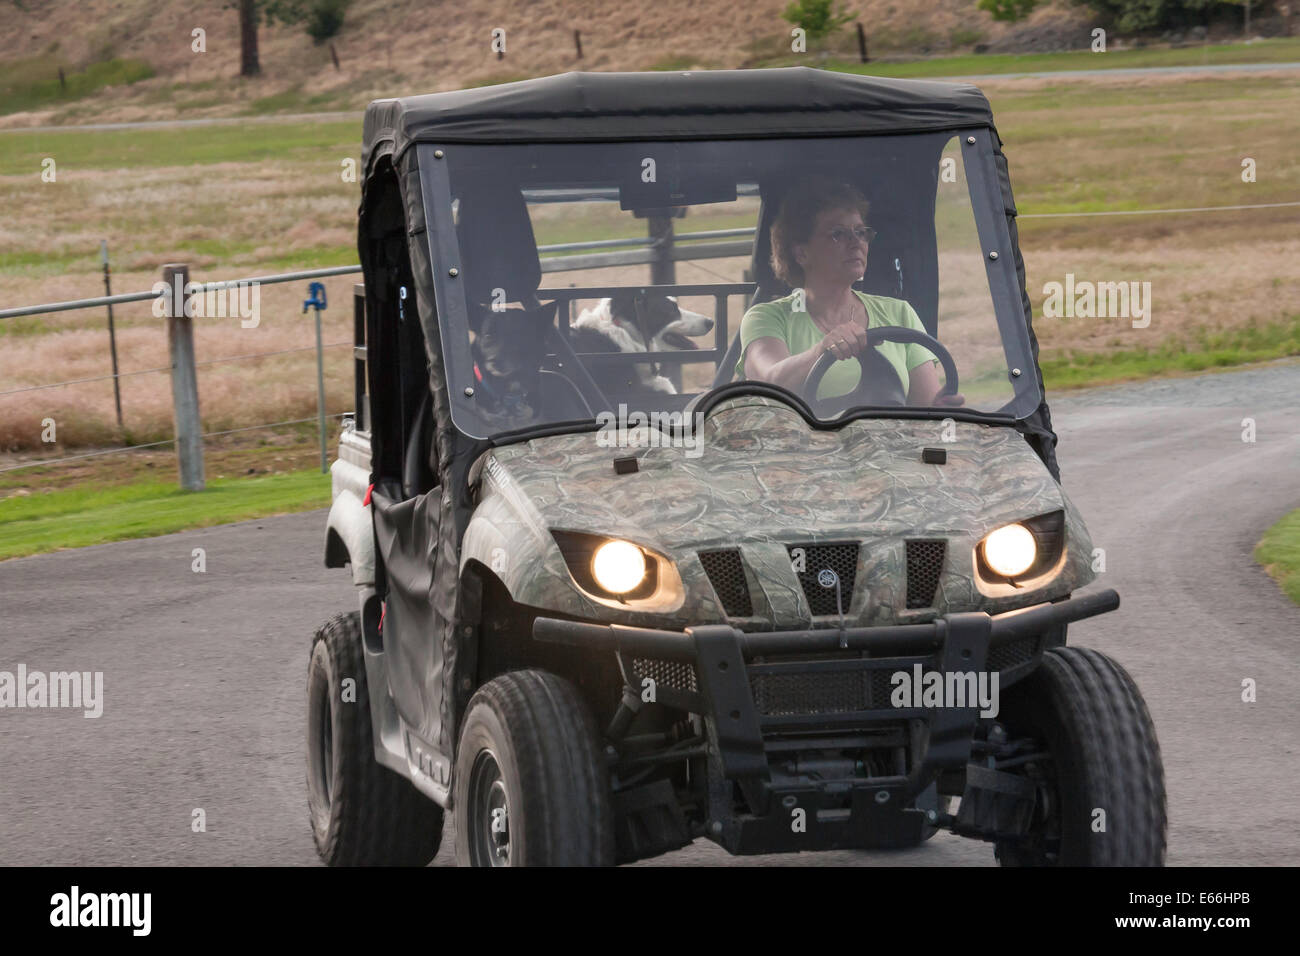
550 263
199 288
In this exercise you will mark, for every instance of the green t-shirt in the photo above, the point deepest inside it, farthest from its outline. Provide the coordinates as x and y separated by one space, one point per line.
777 319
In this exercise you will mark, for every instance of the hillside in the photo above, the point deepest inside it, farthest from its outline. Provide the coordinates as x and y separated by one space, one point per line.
390 46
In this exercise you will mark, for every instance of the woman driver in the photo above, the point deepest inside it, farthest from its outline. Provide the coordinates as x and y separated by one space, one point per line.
819 245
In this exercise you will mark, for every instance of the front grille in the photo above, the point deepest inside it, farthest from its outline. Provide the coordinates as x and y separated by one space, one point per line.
816 558
924 565
780 695
793 694
728 580
1012 655
673 674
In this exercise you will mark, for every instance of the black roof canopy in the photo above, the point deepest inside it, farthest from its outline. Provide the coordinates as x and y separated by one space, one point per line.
672 105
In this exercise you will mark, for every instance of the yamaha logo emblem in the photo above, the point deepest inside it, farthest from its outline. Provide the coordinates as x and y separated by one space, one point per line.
828 578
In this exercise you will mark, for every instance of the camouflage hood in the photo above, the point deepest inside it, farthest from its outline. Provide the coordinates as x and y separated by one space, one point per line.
756 476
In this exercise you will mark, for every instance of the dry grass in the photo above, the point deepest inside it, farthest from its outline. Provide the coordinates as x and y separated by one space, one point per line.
399 46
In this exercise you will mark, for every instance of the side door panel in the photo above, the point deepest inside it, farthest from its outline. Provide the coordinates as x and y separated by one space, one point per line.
406 536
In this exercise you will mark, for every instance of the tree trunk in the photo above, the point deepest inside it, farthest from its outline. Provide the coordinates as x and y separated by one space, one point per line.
248 65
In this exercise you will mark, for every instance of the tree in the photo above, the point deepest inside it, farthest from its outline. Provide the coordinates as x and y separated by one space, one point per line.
816 17
248 64
1007 11
324 19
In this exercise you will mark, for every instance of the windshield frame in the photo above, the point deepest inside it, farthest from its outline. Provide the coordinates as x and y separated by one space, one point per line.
999 256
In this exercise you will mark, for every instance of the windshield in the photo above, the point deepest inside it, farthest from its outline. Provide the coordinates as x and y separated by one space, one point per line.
579 281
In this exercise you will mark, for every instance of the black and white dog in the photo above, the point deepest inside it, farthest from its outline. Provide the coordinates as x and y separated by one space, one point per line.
635 322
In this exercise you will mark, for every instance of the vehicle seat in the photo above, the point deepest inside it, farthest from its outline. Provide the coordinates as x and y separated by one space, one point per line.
767 286
498 249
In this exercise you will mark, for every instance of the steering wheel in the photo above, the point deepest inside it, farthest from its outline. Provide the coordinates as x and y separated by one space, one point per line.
874 387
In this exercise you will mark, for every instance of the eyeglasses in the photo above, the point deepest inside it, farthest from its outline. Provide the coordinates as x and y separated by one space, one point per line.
840 235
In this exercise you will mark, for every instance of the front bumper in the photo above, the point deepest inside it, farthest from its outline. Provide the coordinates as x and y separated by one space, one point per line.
722 673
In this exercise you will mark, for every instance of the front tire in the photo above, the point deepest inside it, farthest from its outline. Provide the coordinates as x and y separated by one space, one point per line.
362 813
531 786
1101 789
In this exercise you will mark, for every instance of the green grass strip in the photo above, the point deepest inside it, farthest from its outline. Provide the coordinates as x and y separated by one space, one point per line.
1279 553
78 517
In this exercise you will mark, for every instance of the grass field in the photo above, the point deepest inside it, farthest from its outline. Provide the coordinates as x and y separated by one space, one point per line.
1279 553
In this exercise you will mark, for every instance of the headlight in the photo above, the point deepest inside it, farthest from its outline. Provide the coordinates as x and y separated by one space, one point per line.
620 573
618 566
1010 551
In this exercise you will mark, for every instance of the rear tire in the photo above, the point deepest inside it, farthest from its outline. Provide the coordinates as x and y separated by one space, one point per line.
531 785
1103 756
362 813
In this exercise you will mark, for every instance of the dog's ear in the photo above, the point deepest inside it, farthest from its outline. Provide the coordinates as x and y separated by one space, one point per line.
661 310
537 323
543 315
623 306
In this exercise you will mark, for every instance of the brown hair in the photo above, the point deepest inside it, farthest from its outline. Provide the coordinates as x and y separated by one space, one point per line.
799 211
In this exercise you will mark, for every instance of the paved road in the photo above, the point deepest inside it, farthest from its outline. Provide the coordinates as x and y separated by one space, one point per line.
339 115
204 673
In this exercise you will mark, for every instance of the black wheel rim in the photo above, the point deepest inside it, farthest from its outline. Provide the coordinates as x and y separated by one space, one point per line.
322 749
488 817
327 746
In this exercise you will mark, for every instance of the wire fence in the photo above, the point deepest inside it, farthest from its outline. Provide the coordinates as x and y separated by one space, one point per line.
159 444
168 368
189 291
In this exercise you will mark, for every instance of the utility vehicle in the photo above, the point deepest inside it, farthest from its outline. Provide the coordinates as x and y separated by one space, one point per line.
596 624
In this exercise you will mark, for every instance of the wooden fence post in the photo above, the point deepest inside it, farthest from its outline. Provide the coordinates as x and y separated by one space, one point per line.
185 382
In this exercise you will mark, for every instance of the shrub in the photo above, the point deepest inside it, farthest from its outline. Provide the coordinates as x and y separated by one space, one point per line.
817 18
1008 10
325 19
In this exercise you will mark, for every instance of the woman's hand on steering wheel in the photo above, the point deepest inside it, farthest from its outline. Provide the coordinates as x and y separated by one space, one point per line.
871 390
844 341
